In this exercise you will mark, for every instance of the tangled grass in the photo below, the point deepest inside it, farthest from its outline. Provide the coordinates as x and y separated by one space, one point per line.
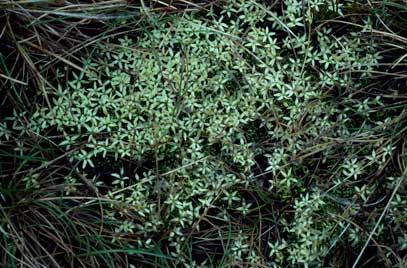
237 134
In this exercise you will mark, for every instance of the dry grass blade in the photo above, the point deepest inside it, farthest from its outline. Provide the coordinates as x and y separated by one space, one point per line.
385 210
14 80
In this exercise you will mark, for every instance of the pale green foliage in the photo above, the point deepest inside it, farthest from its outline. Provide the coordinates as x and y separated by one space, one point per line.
184 90
4 132
31 181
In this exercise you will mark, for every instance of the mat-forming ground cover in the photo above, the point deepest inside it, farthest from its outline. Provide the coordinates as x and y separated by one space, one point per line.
237 139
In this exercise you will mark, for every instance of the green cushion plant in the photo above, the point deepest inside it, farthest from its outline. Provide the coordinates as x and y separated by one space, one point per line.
180 96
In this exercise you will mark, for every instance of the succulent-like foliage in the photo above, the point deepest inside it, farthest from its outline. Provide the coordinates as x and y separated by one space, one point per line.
181 95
